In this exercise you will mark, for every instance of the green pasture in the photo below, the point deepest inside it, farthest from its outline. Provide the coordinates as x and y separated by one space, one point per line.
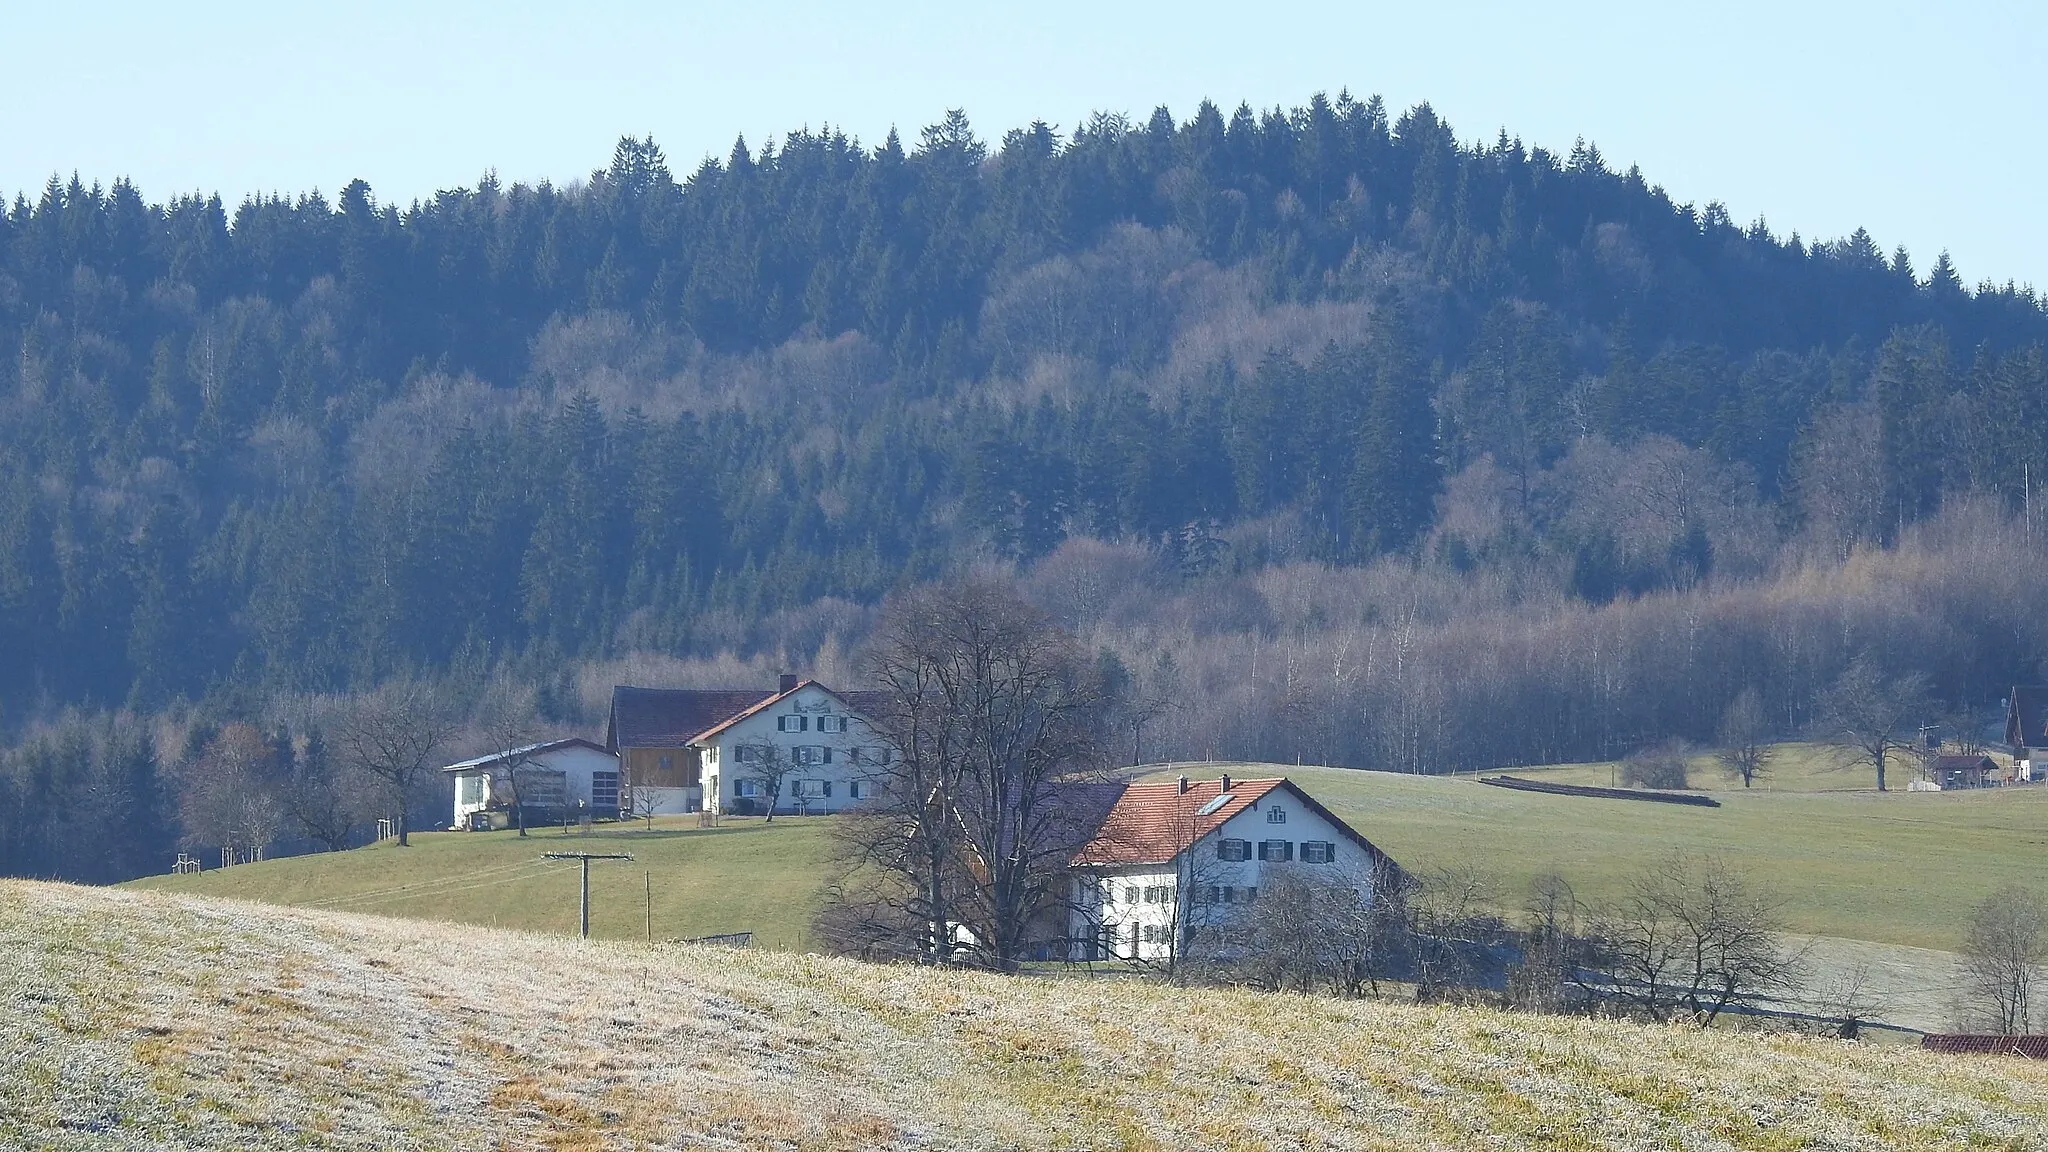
744 876
1897 868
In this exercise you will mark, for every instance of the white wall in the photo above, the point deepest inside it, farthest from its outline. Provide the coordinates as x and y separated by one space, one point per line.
803 712
1104 893
577 764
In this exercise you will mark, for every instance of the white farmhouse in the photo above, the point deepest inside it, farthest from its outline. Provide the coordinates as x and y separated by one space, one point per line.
555 778
1173 854
690 750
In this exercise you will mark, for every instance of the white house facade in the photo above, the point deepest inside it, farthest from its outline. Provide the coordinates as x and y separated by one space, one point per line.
555 778
1174 856
801 749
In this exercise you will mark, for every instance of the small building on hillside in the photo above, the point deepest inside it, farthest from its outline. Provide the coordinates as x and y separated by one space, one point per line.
2026 729
1175 858
717 750
554 778
1975 771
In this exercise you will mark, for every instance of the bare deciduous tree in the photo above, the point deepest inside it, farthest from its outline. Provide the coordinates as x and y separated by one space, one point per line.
2003 951
768 764
393 734
1867 712
1665 766
328 800
1694 937
508 719
231 796
1447 910
991 706
1745 749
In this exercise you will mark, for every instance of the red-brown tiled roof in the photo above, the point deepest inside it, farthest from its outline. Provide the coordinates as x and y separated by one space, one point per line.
1151 823
2032 1047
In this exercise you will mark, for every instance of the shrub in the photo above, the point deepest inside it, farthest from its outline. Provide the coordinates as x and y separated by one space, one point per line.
1660 766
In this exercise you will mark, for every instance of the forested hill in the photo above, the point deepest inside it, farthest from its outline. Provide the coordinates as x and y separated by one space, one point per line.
310 442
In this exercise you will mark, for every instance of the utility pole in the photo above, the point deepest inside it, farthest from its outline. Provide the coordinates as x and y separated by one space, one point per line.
586 858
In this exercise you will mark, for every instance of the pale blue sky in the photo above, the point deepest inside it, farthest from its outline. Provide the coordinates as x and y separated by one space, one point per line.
1921 122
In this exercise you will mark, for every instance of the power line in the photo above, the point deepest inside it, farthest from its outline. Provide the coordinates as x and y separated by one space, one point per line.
586 858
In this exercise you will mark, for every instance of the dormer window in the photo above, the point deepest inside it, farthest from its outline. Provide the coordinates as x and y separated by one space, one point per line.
1276 815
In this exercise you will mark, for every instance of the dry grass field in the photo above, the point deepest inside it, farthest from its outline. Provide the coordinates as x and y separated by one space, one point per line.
158 1021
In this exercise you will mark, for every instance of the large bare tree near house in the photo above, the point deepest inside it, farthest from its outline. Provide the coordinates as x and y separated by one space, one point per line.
1870 713
508 717
768 765
394 733
991 705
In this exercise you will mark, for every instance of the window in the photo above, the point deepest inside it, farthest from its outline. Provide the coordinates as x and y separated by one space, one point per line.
1276 851
604 791
792 723
747 754
1130 895
470 789
853 790
1276 815
873 755
1155 933
1317 852
746 788
1233 849
831 723
804 754
667 763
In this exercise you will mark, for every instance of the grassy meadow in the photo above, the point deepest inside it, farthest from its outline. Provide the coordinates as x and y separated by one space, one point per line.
1899 868
149 1020
744 876
1894 868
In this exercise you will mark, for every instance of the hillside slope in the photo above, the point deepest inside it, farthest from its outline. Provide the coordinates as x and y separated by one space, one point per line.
150 1020
1834 859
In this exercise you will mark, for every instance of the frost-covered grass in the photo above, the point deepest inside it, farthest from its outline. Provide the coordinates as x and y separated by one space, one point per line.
155 1020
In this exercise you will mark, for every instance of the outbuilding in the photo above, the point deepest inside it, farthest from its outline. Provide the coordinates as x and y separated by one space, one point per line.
554 779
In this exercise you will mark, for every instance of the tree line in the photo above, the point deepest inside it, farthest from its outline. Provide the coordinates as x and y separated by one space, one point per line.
1332 436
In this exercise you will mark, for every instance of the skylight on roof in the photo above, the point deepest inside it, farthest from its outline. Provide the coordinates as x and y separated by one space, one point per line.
1213 805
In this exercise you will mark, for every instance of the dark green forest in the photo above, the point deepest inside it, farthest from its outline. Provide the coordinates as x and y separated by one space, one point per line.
303 445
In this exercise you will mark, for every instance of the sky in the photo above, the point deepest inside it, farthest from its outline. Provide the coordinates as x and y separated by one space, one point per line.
1920 122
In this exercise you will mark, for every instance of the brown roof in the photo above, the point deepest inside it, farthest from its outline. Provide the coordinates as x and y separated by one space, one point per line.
2032 1047
2026 717
1956 763
677 717
1151 823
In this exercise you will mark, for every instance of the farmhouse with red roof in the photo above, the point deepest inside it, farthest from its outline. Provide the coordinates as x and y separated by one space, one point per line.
1175 856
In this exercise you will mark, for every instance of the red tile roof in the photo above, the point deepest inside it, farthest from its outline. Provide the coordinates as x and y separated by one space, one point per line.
1151 823
2032 1047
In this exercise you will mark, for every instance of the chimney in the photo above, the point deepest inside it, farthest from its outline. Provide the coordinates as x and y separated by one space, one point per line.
1223 785
1183 785
788 682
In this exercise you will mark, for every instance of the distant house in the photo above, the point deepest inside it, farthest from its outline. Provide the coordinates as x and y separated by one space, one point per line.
2026 729
1171 855
691 750
1964 771
554 778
